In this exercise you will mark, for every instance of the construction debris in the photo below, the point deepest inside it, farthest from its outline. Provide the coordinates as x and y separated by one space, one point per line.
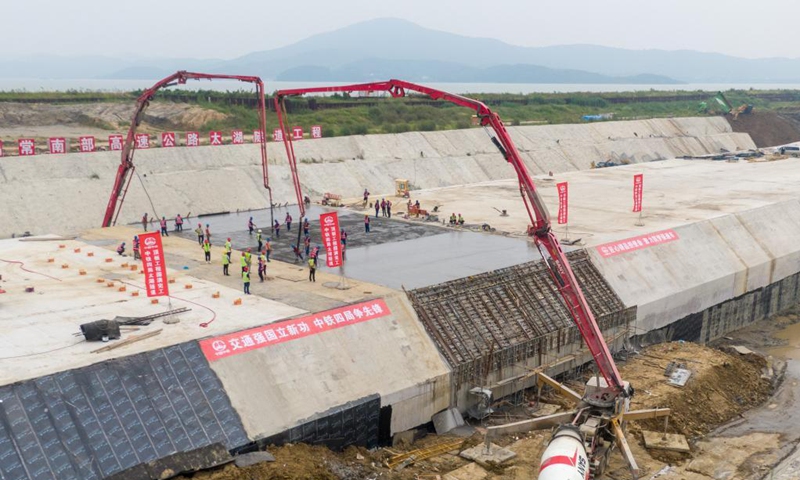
488 456
400 461
128 341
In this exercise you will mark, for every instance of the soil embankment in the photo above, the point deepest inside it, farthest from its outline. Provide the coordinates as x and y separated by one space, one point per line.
768 129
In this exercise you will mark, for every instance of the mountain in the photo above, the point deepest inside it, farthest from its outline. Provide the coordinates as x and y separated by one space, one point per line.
387 47
436 71
400 40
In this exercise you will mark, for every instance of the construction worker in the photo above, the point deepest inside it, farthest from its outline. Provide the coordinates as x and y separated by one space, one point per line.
460 220
288 222
199 232
297 253
343 236
121 248
366 223
262 265
306 227
268 249
453 219
226 261
248 256
389 208
243 262
377 208
136 255
307 244
277 229
228 249
383 207
208 233
164 227
246 280
207 250
251 225
258 239
312 269
145 221
366 197
178 223
315 252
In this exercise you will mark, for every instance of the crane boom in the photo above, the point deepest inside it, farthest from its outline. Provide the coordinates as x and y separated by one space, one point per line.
558 265
126 166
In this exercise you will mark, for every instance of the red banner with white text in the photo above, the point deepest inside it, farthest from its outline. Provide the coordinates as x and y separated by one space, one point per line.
279 332
563 202
329 223
155 268
637 243
638 190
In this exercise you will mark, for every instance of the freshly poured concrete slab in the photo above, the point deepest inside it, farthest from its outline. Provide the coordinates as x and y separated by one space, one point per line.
436 259
38 327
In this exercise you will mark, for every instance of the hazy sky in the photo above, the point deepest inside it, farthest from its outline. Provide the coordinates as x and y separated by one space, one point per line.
204 28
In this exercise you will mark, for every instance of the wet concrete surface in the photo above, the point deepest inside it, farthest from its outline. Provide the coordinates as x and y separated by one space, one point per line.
436 259
394 253
234 226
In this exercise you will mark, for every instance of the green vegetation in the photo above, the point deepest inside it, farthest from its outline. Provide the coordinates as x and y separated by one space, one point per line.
350 115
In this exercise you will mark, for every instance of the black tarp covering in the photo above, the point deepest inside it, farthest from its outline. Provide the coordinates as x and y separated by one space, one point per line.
92 422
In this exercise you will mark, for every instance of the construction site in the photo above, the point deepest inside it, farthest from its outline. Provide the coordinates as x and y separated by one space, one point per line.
649 336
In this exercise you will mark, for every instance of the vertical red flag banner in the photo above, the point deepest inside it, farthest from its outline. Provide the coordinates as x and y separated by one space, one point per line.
26 147
167 139
563 202
329 223
155 269
297 133
316 131
638 188
115 142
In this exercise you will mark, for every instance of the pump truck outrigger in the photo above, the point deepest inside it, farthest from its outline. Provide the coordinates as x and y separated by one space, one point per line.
597 425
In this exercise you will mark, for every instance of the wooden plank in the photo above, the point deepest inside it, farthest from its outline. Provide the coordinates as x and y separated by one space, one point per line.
128 341
624 448
673 442
646 414
563 389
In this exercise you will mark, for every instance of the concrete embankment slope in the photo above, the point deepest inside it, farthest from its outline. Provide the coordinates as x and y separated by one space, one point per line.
69 193
717 275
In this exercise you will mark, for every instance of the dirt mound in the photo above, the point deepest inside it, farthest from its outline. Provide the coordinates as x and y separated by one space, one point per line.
722 386
105 116
767 129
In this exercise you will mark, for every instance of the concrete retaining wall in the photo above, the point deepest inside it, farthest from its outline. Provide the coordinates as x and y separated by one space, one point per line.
280 387
69 193
713 262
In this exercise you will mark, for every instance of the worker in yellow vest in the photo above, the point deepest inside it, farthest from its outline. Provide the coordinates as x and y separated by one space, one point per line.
226 261
243 262
207 250
246 280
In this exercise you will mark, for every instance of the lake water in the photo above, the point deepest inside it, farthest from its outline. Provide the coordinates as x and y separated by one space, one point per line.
34 85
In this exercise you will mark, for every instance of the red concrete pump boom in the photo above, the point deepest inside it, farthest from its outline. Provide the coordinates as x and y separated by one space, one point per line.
559 267
126 166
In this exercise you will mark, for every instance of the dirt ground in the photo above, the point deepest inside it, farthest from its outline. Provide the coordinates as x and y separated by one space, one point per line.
723 386
768 129
46 120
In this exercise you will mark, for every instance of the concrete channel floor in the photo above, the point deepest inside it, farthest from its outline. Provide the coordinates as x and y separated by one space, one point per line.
676 192
40 326
395 253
